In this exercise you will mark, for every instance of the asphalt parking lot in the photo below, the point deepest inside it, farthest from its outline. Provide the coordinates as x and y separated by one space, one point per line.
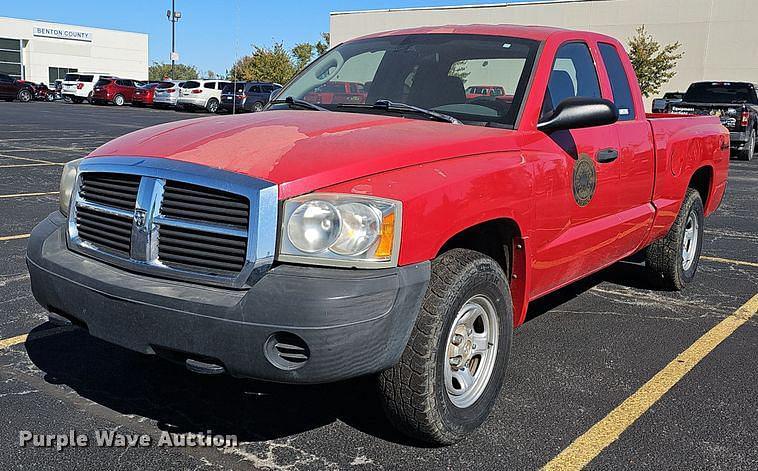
584 350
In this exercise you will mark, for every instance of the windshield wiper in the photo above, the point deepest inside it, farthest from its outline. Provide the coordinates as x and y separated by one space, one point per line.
294 102
395 106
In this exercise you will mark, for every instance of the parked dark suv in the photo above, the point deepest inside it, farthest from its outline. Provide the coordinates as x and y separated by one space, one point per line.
247 96
115 90
12 89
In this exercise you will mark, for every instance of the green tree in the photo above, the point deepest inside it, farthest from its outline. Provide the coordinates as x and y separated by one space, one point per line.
268 64
653 63
161 70
323 44
303 53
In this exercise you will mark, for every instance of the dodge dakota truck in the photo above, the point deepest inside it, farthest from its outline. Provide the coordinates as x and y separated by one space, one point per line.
401 236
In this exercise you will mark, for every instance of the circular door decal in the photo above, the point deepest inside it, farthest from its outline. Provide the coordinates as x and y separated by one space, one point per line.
585 180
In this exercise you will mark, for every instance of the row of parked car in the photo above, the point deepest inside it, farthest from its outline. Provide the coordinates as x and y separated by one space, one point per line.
209 95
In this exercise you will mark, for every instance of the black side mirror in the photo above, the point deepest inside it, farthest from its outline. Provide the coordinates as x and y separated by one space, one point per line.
579 112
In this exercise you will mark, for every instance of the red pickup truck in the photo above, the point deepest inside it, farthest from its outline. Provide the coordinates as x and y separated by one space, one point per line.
402 237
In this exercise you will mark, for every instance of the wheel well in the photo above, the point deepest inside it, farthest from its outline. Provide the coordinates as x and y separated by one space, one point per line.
492 238
701 181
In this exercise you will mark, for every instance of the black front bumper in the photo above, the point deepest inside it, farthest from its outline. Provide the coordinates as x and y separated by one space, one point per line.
354 322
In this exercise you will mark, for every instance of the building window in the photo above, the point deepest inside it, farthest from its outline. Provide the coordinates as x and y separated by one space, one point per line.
58 73
10 57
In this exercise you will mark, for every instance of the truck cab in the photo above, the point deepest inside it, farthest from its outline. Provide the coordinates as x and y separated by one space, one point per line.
401 234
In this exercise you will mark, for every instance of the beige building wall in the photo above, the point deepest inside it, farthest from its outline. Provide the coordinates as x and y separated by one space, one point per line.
719 37
120 53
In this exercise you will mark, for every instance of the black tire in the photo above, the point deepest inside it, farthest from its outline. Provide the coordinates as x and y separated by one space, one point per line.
257 106
212 105
78 100
50 97
89 97
413 392
25 95
664 258
119 100
749 150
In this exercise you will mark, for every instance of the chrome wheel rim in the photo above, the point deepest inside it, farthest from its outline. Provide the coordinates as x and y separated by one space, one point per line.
25 95
212 106
119 100
471 351
690 241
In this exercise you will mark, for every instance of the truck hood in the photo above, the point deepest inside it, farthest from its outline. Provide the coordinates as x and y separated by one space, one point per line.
303 151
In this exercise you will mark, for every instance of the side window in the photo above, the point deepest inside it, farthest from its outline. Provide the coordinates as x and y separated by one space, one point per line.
210 85
622 92
573 75
255 89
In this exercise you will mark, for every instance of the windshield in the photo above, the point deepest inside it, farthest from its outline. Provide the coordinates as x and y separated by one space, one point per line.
431 71
720 93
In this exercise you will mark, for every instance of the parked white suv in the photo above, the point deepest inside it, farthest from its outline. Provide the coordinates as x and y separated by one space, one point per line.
166 93
200 94
78 87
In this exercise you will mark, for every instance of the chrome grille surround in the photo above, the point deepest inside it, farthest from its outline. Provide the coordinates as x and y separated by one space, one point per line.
147 218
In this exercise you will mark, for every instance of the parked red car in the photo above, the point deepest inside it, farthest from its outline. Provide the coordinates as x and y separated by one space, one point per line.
144 95
403 238
338 92
114 90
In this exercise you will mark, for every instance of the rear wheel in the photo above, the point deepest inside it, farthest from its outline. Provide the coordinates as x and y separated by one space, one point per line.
671 262
749 150
50 97
89 97
119 100
257 106
24 95
453 366
212 105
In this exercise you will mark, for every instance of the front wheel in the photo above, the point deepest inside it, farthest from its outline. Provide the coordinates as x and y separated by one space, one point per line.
453 367
671 262
50 97
24 96
212 105
749 150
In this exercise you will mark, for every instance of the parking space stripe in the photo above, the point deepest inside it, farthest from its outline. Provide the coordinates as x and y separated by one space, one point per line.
585 448
12 341
40 164
27 159
729 261
24 195
14 237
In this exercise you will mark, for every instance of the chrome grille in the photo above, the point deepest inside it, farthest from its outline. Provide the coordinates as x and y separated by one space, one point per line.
107 231
174 219
110 189
204 247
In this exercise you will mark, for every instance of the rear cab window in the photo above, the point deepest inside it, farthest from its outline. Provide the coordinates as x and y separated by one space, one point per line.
573 75
622 92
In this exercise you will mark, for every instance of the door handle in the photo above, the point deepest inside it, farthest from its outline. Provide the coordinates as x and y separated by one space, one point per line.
607 155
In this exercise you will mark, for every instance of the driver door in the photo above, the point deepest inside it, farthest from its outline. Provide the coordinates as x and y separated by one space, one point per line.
577 182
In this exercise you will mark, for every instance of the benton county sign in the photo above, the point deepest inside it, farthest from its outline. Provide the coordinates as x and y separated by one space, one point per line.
62 34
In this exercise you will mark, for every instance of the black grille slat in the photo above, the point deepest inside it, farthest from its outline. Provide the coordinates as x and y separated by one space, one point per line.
198 262
203 200
189 245
213 239
205 217
110 189
94 224
208 205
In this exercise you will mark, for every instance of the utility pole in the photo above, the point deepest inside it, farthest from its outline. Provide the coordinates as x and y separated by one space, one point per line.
173 16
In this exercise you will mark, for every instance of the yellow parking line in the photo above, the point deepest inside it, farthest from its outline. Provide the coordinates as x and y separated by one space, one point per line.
28 165
585 448
729 261
23 195
27 159
12 341
14 237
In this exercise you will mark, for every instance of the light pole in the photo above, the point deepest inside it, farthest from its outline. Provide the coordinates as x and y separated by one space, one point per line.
173 16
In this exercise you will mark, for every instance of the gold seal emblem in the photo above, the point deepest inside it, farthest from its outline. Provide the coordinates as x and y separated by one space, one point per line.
585 180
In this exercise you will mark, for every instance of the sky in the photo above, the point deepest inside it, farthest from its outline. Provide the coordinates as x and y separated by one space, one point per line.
211 33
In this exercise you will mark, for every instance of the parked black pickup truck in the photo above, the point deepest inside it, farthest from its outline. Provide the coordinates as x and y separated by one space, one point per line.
736 103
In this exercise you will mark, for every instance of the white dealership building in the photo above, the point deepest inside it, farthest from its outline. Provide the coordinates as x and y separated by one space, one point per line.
719 37
41 51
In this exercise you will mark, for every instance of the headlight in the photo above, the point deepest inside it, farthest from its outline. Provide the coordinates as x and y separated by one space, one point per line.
341 230
68 181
